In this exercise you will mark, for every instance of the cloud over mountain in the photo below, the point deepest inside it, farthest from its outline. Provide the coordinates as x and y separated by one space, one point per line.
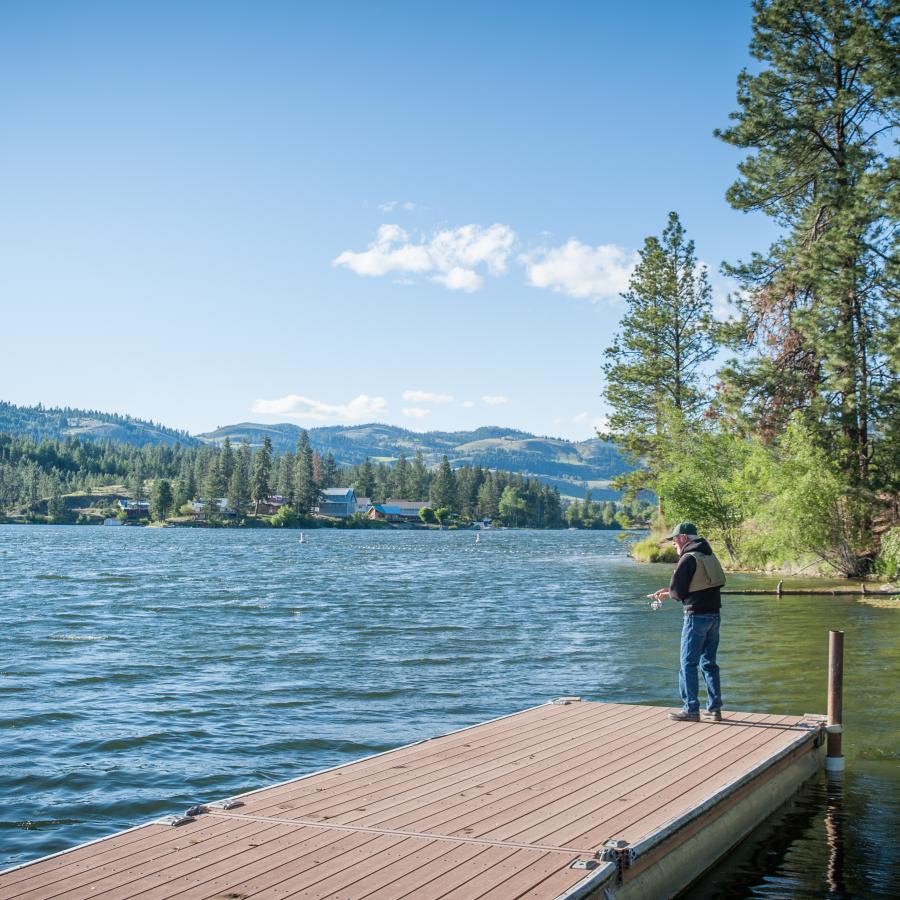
296 407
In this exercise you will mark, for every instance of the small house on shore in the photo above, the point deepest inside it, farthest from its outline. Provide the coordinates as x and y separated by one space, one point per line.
201 506
271 504
338 502
135 509
397 510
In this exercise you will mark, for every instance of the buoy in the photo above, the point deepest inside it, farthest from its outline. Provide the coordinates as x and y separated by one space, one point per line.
302 539
477 538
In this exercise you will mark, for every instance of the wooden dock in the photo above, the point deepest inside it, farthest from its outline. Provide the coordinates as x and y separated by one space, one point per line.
564 800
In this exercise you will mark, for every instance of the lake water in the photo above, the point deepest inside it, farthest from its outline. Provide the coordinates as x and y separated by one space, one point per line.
143 670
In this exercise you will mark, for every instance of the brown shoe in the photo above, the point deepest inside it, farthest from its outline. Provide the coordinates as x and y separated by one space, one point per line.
711 715
684 716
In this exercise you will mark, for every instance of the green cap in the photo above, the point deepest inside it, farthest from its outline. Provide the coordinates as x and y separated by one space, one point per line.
683 528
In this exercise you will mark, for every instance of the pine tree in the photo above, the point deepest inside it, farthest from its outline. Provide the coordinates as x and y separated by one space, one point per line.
284 477
305 487
666 335
329 471
488 506
56 507
261 473
820 301
214 486
401 477
418 478
552 508
239 483
136 480
185 486
161 499
443 487
364 484
227 460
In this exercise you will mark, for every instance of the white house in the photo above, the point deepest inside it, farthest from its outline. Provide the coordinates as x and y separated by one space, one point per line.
363 504
199 506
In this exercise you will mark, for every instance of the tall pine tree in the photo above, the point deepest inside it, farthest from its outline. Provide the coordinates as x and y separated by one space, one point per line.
816 118
305 488
653 368
261 473
443 487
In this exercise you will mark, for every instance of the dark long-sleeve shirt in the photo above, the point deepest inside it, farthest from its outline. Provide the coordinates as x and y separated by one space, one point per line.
700 602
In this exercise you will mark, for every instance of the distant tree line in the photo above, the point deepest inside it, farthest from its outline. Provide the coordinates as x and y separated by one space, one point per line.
36 474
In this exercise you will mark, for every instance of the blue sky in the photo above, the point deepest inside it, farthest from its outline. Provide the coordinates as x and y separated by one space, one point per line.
334 213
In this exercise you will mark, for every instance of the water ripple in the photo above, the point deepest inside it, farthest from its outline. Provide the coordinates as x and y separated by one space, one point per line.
148 669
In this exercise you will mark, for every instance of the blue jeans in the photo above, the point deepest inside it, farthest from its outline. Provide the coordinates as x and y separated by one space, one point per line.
699 642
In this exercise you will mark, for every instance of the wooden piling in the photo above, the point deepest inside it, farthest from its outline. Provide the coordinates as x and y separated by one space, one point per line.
834 758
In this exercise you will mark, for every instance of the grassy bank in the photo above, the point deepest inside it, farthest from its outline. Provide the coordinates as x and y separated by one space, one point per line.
649 550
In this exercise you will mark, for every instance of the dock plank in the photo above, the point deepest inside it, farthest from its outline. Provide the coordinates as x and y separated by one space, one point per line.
443 756
389 807
499 810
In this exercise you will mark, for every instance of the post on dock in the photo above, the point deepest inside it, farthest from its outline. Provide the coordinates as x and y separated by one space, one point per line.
834 758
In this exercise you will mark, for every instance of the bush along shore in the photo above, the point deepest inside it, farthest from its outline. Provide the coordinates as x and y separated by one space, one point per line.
880 588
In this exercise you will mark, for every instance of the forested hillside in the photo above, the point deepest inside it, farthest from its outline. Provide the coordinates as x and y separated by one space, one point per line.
572 467
72 479
40 422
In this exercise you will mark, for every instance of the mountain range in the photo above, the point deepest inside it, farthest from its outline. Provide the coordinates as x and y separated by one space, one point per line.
573 466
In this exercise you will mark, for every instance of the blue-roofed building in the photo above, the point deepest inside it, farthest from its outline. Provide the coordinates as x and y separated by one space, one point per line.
398 510
337 502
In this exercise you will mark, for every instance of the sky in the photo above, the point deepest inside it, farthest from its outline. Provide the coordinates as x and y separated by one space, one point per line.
409 213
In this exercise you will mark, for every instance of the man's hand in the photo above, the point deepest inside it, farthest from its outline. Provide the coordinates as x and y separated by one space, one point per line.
661 594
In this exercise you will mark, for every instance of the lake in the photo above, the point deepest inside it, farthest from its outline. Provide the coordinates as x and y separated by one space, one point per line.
145 669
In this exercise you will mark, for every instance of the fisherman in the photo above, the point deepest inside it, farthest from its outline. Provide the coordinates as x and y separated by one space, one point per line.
696 583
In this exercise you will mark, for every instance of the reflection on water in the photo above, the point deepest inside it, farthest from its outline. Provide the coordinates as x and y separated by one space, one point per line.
818 846
146 669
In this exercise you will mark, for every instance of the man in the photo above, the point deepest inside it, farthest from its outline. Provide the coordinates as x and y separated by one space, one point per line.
696 583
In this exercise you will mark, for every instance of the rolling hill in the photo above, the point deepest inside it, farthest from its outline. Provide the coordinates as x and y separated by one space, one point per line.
572 466
41 422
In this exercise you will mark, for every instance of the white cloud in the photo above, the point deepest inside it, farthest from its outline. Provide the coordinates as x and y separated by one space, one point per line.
579 270
495 399
452 255
391 205
581 417
390 252
458 279
415 412
468 404
426 397
296 407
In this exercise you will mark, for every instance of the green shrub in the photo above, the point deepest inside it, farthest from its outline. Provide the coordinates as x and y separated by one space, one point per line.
648 550
888 563
285 517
